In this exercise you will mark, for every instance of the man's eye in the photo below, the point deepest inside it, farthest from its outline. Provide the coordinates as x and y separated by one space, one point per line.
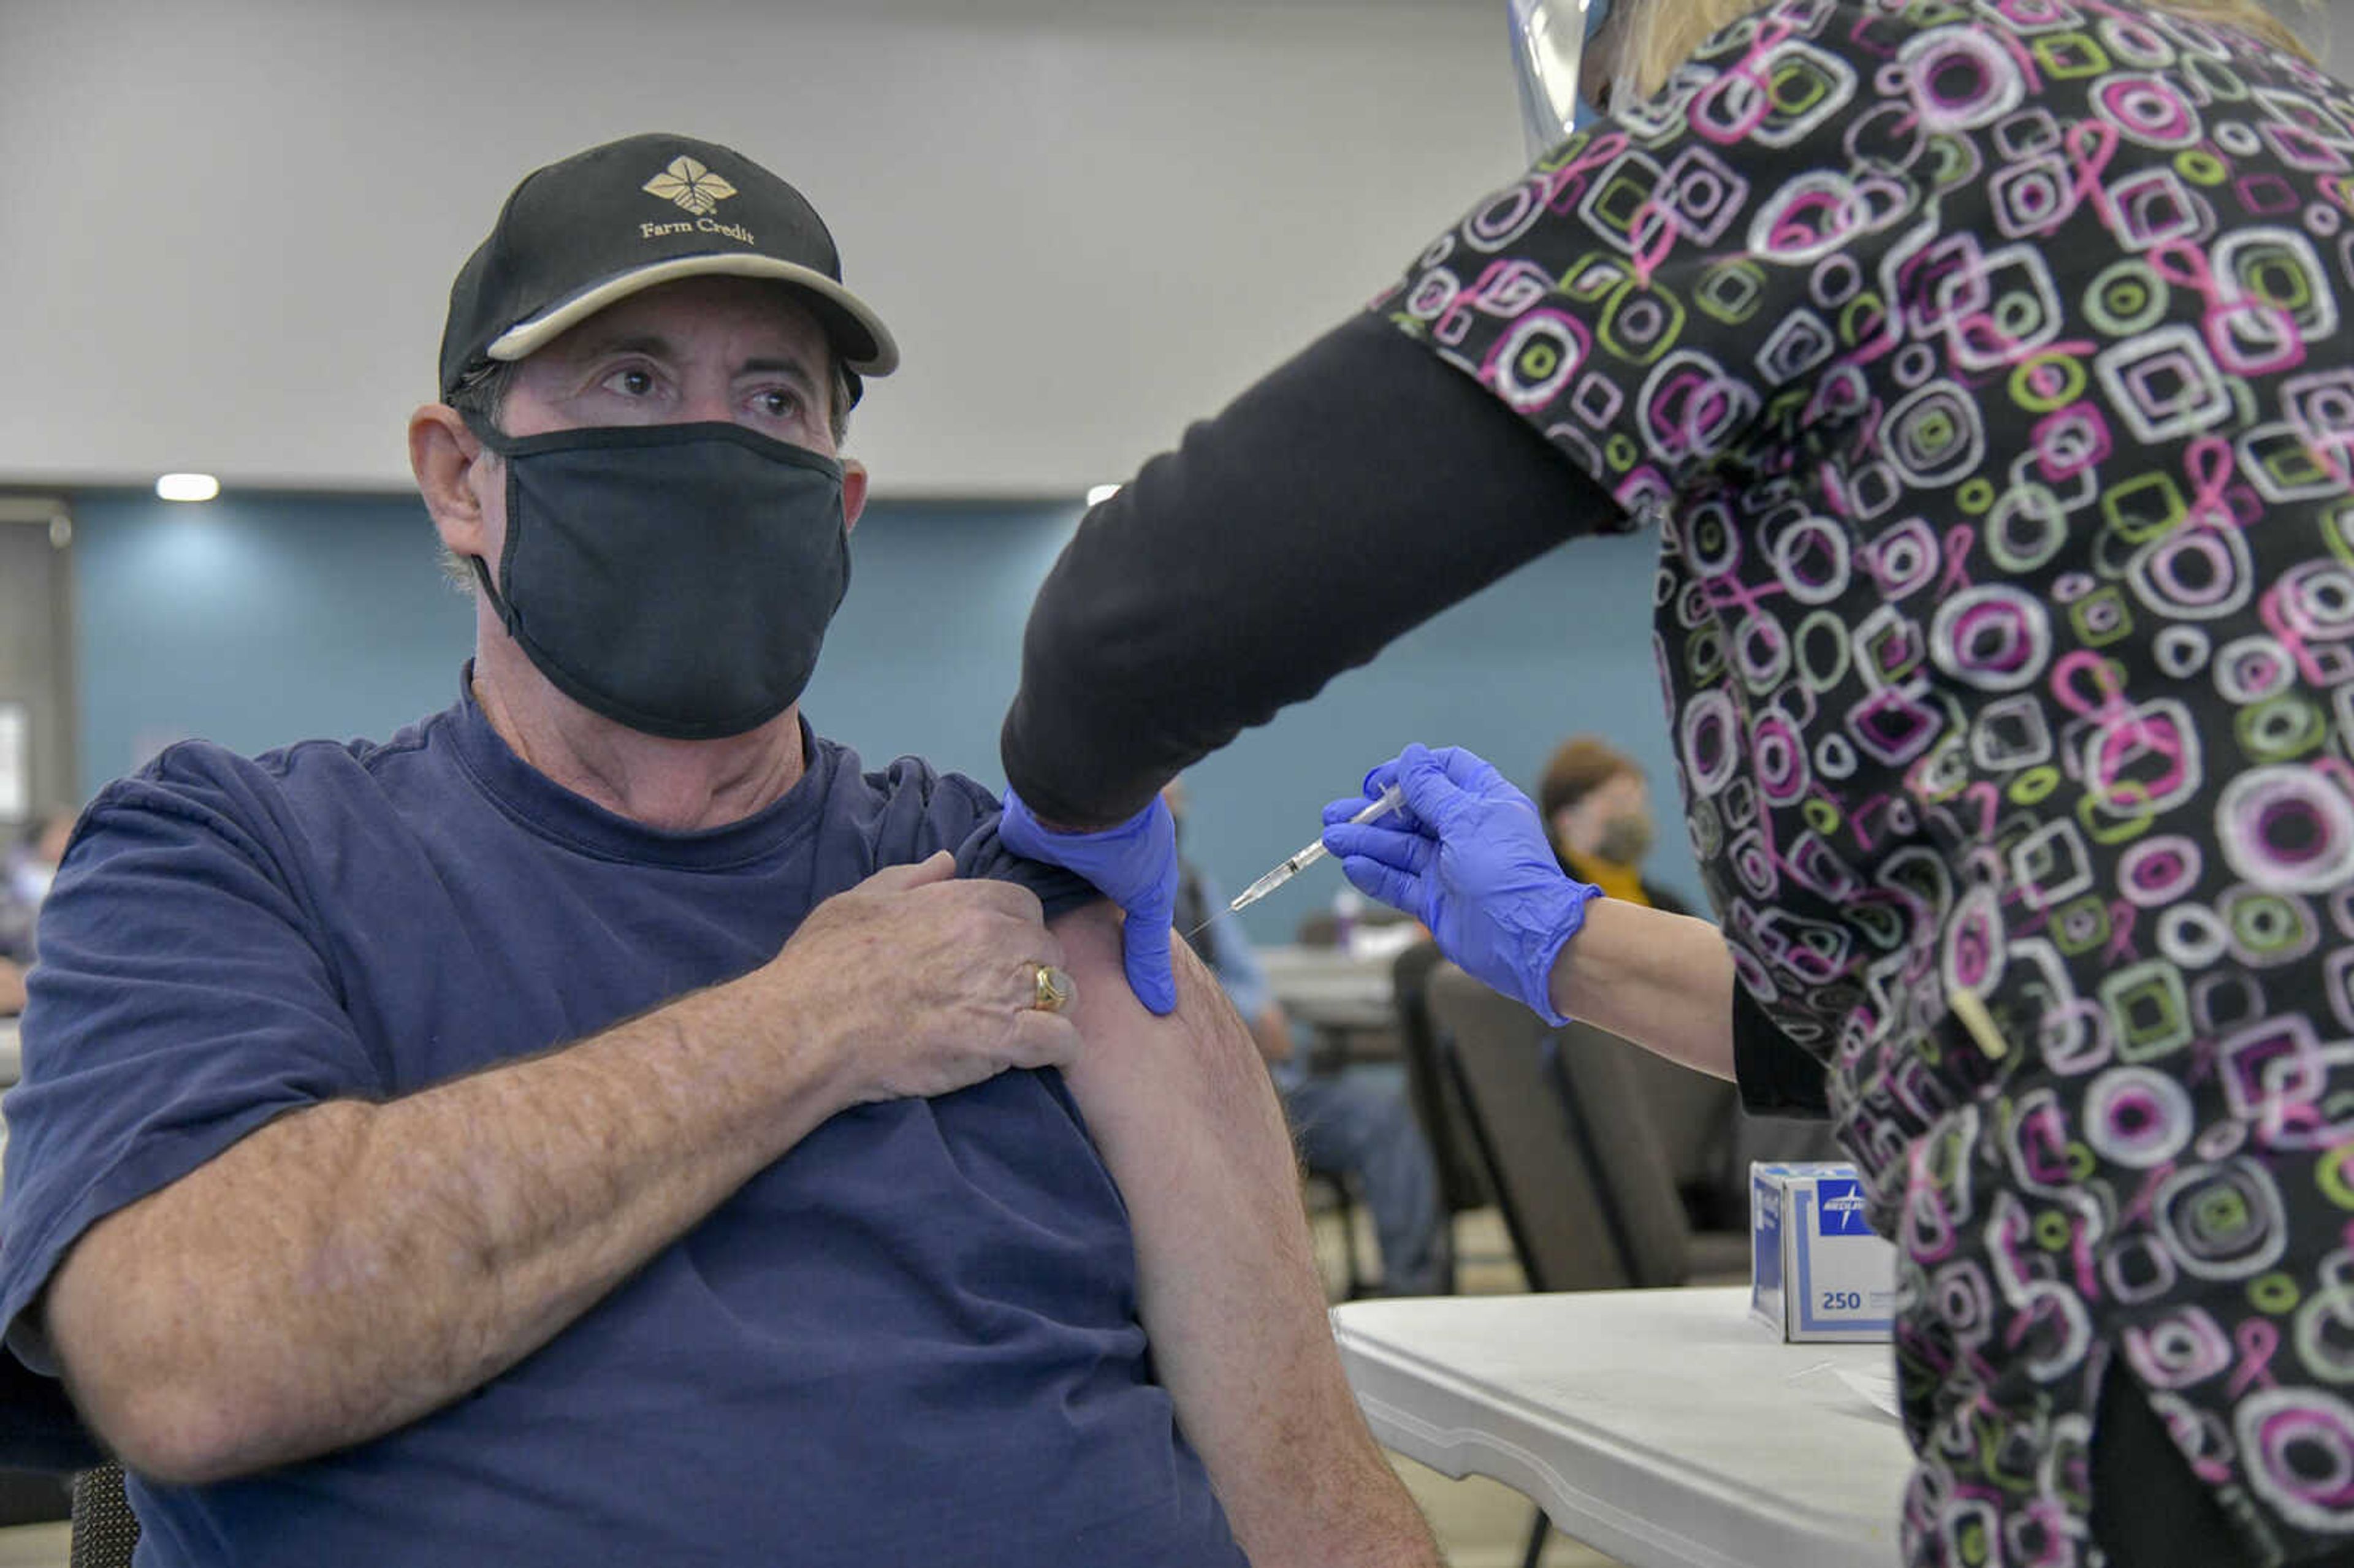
779 403
634 382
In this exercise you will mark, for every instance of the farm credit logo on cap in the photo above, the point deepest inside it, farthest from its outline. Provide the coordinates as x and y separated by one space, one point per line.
691 185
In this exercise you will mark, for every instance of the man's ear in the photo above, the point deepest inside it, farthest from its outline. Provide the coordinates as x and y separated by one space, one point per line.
442 454
853 492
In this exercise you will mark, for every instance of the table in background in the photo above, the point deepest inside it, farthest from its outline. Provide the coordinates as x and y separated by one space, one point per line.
1350 1002
1663 1427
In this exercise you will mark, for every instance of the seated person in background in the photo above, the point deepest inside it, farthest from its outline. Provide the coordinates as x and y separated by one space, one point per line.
26 873
1356 1123
604 1125
1597 808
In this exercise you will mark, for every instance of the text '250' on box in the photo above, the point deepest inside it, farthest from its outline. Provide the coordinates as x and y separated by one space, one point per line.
1816 1269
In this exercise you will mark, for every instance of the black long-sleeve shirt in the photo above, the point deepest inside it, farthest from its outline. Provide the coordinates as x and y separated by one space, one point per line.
1352 494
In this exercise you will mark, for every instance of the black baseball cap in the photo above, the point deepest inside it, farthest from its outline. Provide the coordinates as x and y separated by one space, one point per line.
579 235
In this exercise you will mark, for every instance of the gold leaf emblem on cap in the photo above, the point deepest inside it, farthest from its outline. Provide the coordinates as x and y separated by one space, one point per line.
691 185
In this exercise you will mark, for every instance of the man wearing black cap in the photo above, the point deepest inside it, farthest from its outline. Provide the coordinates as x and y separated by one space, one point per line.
603 1125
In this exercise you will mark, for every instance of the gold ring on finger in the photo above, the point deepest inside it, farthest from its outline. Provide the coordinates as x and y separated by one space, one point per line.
1052 990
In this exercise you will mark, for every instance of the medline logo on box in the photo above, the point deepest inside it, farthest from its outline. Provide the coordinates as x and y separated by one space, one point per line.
1842 1208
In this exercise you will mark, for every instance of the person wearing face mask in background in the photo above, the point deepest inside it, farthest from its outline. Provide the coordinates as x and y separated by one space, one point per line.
1356 1123
1596 806
24 877
605 1124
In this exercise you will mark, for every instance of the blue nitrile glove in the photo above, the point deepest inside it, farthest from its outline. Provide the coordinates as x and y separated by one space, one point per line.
1467 857
1134 865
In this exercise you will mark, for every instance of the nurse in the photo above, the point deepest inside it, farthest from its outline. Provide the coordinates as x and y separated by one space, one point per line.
1981 369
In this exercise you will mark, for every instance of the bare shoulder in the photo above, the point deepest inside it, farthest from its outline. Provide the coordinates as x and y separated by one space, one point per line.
1090 939
1200 1056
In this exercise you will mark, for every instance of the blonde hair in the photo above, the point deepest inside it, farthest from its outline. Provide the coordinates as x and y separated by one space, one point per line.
1658 36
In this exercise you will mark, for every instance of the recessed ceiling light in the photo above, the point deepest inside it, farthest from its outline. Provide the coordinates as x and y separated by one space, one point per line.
187 487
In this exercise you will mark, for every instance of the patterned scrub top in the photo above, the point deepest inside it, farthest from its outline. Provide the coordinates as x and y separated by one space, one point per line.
1981 366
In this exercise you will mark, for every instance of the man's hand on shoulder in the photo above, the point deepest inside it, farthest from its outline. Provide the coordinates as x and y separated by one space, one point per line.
927 984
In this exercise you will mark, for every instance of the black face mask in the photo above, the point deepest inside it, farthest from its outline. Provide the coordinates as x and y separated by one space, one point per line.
675 579
1625 839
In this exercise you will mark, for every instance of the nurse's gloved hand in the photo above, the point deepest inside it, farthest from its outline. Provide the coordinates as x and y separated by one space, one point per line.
1467 856
1134 865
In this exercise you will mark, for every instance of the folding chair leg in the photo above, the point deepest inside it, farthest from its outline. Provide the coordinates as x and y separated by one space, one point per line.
1539 1528
1349 1238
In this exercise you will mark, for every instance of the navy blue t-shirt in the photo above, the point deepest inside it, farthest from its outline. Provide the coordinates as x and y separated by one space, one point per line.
914 1339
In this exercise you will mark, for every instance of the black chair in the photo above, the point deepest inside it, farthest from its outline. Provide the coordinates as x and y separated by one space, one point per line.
1438 1103
1571 1150
1696 1118
1709 1141
41 1434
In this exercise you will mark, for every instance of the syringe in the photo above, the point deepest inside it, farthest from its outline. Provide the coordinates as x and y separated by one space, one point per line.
1388 800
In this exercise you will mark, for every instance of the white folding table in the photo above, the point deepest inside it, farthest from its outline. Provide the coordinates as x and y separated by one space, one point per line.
1663 1427
1330 988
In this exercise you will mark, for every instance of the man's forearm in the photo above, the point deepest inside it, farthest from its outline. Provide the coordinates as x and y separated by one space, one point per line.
1190 1127
352 1265
1664 981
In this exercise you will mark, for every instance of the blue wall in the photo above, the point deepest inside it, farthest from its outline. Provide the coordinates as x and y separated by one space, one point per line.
256 622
